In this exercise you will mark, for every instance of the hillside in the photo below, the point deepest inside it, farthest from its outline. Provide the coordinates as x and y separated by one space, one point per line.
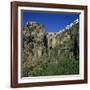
47 53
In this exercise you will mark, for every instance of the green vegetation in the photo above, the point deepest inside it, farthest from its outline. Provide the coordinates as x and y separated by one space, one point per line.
56 67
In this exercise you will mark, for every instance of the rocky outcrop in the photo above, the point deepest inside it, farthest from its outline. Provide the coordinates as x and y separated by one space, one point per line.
39 46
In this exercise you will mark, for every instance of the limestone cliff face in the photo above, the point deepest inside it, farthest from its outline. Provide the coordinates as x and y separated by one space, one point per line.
39 45
33 45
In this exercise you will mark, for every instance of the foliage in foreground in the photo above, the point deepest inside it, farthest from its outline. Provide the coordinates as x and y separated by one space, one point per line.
53 65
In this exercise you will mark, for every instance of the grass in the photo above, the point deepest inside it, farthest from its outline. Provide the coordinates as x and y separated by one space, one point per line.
53 65
63 67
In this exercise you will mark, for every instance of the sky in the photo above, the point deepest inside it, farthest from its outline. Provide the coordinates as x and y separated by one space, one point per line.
53 22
